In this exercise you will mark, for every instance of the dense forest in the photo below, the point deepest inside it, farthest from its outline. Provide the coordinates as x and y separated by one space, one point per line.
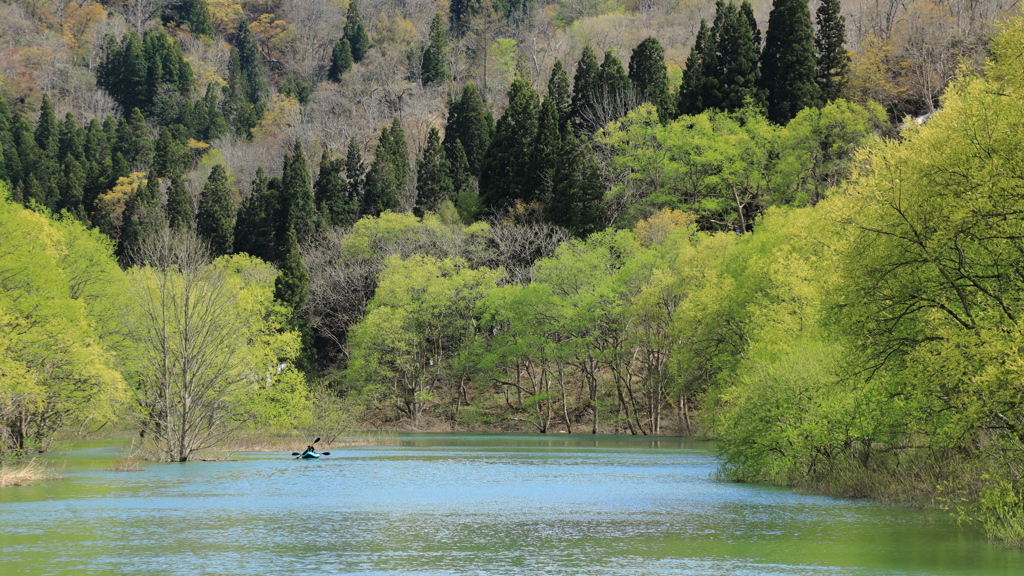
789 227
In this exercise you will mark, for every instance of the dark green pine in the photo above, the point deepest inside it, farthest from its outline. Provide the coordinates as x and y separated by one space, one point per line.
505 173
433 180
169 155
297 195
788 66
459 14
355 173
133 141
123 72
142 216
388 177
577 196
546 146
460 175
559 93
292 283
355 33
215 219
46 129
585 90
748 12
179 204
737 60
434 68
832 57
10 168
72 187
255 226
472 125
649 77
341 60
70 139
614 101
699 87
330 192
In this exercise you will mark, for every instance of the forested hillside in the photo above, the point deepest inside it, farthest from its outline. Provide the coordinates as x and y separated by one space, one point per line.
788 226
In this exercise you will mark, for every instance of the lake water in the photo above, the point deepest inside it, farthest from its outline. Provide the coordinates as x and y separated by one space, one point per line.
467 505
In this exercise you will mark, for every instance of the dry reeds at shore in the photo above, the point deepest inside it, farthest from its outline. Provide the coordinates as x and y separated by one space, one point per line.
22 475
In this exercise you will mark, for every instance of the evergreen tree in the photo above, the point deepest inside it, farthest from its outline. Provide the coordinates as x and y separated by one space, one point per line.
388 177
331 193
70 140
649 76
748 13
585 91
613 102
547 144
169 155
577 196
215 219
472 125
832 59
354 175
559 93
460 174
192 13
788 66
46 129
123 72
256 224
434 68
433 179
142 216
459 14
737 60
292 283
699 88
296 196
72 188
341 60
355 33
133 143
10 168
505 173
179 204
246 90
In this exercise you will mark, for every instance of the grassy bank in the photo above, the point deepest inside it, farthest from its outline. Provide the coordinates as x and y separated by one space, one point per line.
24 474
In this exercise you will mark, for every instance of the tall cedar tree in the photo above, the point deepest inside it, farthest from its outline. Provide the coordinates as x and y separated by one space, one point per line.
292 283
246 90
506 174
461 177
559 93
215 219
433 178
737 59
355 33
614 99
179 204
46 129
700 85
472 125
331 193
748 12
142 216
434 68
577 195
341 60
355 174
388 178
788 66
133 142
256 225
547 144
296 197
193 13
135 71
833 60
585 90
649 76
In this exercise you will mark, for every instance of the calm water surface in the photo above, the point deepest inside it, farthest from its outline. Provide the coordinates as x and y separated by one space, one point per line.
473 505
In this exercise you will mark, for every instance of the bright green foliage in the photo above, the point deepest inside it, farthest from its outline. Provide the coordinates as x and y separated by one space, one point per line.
435 68
341 60
576 202
407 345
788 66
355 33
506 174
215 219
56 368
649 77
387 180
433 176
832 59
179 204
472 125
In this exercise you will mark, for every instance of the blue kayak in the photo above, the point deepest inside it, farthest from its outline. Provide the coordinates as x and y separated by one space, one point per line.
309 455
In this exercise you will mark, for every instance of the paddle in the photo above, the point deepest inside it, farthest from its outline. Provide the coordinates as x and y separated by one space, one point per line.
314 442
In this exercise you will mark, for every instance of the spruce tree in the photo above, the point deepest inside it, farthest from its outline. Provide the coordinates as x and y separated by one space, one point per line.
72 187
10 168
292 283
700 86
355 174
472 125
330 191
434 68
355 33
169 155
142 216
256 224
215 219
179 204
70 140
559 93
832 58
341 60
577 195
547 144
388 177
433 179
613 102
194 14
123 71
649 76
737 60
585 90
505 173
296 196
133 143
748 13
460 175
788 66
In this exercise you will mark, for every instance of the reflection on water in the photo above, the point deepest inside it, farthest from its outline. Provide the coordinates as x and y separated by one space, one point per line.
467 504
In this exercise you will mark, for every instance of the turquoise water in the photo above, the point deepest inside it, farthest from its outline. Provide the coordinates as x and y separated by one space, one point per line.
459 504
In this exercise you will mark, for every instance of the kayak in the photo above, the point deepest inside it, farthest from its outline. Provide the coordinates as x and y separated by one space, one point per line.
309 455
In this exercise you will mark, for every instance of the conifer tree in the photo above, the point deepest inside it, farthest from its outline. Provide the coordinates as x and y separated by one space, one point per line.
331 193
649 77
388 178
433 179
355 33
46 129
292 283
559 93
788 66
169 155
133 143
459 14
434 68
832 58
123 71
472 125
737 60
192 13
748 13
341 60
577 195
72 188
215 219
246 90
699 88
296 196
258 218
355 174
179 204
613 102
585 90
10 168
70 140
505 173
547 144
